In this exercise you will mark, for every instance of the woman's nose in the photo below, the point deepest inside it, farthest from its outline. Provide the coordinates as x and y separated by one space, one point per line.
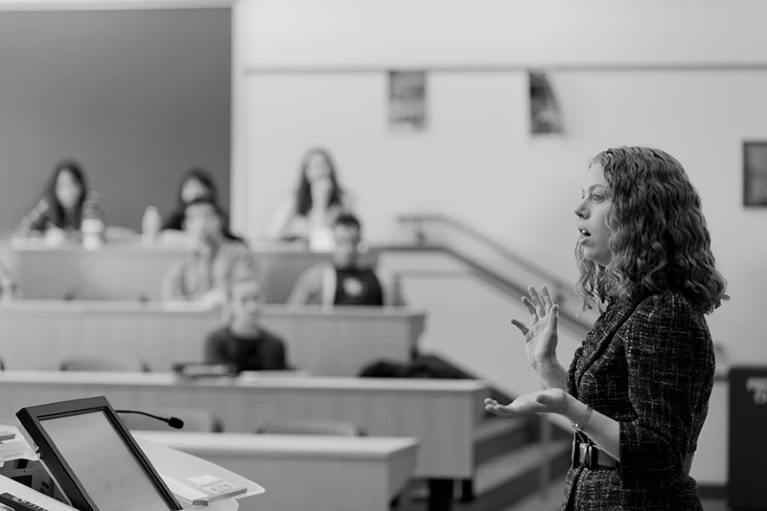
581 211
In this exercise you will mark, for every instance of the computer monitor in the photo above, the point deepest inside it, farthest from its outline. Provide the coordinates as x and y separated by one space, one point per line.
93 458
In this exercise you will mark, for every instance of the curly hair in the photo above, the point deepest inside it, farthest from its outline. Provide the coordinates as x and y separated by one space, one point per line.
659 237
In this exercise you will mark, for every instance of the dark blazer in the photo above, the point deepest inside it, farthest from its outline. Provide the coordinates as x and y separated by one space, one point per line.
648 364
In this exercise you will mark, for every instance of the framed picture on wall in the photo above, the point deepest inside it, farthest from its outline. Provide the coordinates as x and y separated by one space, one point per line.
407 101
545 117
755 174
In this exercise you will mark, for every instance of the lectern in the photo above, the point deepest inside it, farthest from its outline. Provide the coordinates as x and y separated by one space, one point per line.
95 464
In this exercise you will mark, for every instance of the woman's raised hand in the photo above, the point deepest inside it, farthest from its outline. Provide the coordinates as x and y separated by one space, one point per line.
541 336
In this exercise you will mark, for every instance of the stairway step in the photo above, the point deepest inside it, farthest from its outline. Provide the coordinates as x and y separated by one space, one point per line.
496 436
496 426
515 464
508 478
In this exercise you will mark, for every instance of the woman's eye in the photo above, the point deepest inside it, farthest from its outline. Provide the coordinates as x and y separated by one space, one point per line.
598 197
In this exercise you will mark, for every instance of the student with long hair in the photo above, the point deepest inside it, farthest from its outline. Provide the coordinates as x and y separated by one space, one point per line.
310 213
196 183
66 200
637 390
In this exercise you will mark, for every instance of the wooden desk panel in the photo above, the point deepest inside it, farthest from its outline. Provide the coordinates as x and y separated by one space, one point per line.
328 342
122 272
132 272
442 414
320 473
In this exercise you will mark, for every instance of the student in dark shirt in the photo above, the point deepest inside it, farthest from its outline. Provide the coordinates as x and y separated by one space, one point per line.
345 281
244 343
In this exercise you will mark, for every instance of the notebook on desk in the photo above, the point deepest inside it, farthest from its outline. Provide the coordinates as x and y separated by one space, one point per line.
201 370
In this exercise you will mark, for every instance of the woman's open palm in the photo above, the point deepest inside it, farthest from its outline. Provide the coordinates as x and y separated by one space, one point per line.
542 401
541 336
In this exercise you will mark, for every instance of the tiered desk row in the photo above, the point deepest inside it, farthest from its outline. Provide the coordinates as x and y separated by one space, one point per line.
417 428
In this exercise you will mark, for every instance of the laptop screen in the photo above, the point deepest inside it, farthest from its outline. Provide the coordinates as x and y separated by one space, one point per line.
105 466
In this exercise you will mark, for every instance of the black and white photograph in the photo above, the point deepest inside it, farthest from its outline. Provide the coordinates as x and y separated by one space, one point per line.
367 255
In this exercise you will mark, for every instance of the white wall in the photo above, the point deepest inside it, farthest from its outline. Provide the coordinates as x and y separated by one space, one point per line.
538 32
477 161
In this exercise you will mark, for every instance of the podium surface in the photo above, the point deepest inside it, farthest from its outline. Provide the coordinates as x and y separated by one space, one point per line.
180 466
167 461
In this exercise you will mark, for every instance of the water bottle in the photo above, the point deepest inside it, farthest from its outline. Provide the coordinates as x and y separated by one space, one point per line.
92 225
151 223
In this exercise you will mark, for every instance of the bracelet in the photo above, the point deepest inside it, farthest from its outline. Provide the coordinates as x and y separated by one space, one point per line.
583 420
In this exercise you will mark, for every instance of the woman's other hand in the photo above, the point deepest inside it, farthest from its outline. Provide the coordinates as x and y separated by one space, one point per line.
541 401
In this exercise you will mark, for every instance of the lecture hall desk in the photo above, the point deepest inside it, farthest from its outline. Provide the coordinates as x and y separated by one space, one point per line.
317 473
442 414
129 271
39 334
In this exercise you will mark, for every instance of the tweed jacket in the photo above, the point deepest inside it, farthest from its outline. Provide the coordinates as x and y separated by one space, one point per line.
648 364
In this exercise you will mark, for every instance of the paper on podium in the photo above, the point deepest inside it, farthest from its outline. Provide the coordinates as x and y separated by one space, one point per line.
178 467
17 447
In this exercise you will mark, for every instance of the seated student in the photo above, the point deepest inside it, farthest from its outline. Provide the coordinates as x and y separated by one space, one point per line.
66 202
244 343
344 281
195 183
206 272
310 212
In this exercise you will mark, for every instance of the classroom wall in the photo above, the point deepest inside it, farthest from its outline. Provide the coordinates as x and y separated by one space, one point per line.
138 96
478 161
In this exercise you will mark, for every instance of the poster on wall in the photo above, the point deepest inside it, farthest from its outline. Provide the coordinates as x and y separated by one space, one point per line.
407 101
545 117
755 174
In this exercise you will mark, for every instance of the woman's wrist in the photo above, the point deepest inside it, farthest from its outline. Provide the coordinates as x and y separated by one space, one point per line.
546 364
551 372
575 409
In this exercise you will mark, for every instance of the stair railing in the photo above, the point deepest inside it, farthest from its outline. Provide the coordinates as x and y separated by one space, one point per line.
509 270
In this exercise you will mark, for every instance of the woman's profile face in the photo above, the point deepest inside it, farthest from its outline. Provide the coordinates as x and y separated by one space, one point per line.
317 168
592 211
68 189
193 189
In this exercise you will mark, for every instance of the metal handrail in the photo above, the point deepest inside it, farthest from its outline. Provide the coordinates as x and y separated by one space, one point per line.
420 218
545 427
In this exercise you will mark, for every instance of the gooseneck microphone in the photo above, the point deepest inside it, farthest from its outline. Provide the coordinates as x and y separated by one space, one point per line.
173 422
